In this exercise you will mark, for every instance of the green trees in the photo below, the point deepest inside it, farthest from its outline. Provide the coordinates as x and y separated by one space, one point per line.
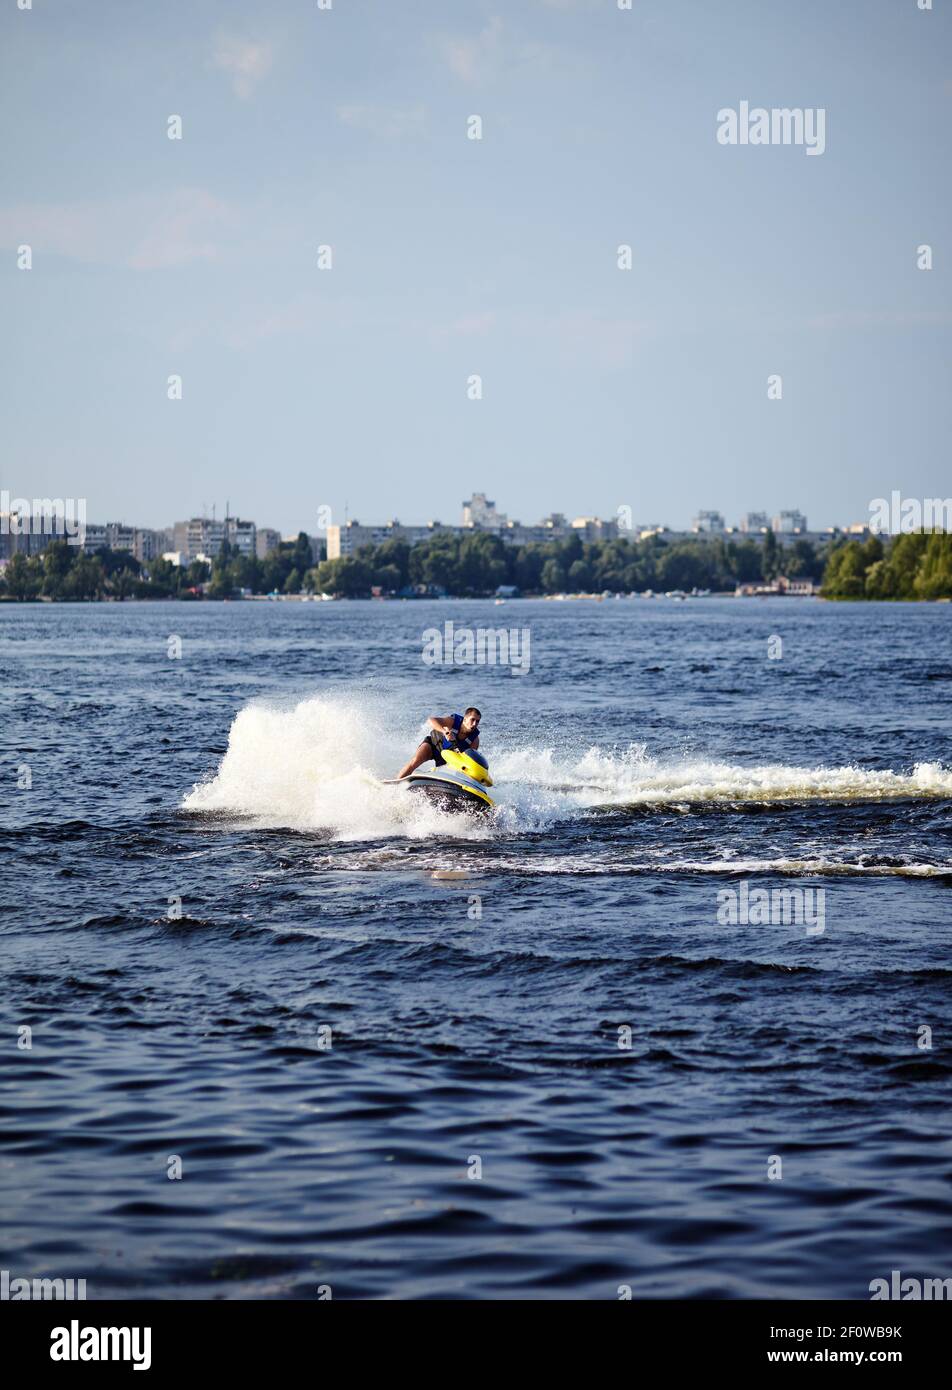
481 564
553 577
435 562
389 578
746 561
68 573
917 565
913 566
687 566
86 580
478 563
284 570
198 572
348 575
57 559
802 562
580 576
274 570
526 569
770 557
22 578
845 572
163 580
934 572
392 565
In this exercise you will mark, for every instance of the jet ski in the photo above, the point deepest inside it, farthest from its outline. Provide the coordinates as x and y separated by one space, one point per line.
459 785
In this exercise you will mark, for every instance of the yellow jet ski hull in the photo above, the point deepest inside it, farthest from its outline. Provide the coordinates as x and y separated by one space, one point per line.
458 785
454 791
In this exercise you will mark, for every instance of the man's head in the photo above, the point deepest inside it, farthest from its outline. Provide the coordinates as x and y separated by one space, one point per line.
471 718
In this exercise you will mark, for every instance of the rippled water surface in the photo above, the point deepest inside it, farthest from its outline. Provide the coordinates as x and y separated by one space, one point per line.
477 976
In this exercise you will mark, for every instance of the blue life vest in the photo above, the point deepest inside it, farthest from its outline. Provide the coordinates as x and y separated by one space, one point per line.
463 743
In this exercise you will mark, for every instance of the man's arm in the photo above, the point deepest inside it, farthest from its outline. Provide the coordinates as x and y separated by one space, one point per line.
441 726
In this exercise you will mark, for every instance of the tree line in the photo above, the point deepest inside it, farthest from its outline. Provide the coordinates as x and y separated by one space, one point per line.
478 564
913 566
64 571
917 565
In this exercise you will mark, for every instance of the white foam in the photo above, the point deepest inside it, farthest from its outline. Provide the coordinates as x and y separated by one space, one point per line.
631 777
317 765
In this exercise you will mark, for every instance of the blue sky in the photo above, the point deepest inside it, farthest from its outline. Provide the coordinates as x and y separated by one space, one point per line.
347 127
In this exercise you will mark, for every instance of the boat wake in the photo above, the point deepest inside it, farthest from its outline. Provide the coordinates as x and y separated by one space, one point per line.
633 778
317 765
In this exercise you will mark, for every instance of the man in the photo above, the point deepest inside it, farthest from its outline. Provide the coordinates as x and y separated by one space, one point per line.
452 731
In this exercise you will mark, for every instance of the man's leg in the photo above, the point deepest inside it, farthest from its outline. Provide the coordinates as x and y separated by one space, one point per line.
423 755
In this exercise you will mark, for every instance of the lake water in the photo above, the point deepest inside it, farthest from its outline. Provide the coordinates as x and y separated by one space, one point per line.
405 1054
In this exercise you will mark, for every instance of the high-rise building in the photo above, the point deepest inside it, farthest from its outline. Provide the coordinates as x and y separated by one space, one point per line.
150 544
348 539
95 536
479 511
708 521
267 539
121 537
755 521
592 530
241 536
789 523
30 532
206 536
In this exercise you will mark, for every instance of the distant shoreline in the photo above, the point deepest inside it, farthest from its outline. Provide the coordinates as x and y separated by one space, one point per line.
46 602
914 566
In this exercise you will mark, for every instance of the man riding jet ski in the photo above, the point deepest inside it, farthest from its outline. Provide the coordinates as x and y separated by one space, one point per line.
461 775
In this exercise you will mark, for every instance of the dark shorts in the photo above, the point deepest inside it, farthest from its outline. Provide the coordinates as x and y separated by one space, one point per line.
434 742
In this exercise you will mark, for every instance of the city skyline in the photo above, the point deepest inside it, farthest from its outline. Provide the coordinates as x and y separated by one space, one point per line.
20 515
39 520
766 517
